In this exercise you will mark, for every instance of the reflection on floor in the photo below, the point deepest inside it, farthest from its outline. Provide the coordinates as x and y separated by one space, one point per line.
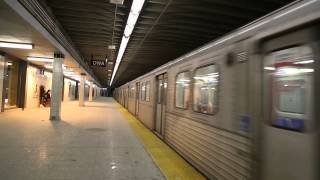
93 142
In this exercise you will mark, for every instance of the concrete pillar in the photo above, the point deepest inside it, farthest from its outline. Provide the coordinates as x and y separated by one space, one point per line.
56 87
2 72
81 89
90 91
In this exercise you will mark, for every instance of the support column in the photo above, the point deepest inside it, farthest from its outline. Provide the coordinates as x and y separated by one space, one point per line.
81 89
90 91
56 87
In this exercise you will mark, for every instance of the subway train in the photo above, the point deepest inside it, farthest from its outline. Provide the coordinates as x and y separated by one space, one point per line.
243 106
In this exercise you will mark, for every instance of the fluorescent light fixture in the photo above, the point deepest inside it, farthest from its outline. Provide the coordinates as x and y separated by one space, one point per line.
116 1
111 47
9 63
304 62
50 66
16 45
40 59
269 68
131 22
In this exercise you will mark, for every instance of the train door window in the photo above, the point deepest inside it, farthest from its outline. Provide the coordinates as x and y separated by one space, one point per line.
205 89
182 89
159 91
288 75
132 92
291 96
143 92
147 91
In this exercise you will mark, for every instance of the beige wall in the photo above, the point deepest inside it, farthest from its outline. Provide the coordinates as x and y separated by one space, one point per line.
33 83
69 90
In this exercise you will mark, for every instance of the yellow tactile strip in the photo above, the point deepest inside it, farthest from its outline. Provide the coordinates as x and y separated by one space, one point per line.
172 165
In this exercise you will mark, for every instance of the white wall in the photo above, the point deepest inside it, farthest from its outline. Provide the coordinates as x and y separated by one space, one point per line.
33 83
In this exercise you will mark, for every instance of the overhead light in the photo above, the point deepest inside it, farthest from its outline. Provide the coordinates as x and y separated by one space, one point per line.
50 66
131 22
109 70
111 47
16 45
269 68
116 1
110 62
9 63
304 62
40 59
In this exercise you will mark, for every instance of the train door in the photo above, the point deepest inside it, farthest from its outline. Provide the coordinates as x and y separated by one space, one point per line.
290 130
137 98
162 81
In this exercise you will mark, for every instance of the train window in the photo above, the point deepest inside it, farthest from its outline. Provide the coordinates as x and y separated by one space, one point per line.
148 91
205 89
182 89
288 84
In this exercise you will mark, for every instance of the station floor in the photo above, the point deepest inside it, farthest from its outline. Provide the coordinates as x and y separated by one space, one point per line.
98 141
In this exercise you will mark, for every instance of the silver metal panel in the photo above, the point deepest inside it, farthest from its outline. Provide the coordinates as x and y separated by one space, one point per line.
218 153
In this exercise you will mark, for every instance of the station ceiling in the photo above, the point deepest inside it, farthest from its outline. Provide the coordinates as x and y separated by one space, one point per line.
165 30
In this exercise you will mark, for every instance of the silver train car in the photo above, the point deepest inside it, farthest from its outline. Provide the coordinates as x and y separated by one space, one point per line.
243 106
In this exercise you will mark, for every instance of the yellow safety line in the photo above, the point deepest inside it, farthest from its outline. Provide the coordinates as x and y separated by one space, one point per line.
171 164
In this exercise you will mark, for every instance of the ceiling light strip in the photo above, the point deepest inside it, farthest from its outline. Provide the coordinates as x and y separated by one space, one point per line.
131 22
40 59
16 45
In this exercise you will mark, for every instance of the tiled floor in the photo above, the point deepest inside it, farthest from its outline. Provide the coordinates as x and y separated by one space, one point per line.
90 143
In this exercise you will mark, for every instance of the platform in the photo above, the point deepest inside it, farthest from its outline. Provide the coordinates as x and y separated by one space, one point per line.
98 141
